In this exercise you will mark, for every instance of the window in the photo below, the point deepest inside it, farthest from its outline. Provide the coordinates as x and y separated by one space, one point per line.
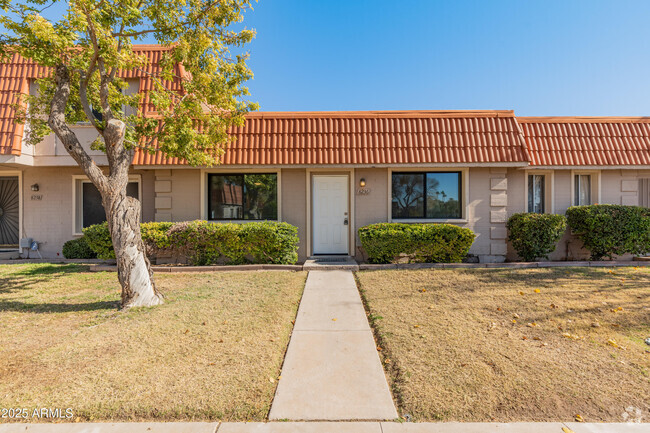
536 193
426 195
582 193
243 196
89 209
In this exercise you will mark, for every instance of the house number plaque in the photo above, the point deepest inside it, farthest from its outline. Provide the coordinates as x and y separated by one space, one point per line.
363 191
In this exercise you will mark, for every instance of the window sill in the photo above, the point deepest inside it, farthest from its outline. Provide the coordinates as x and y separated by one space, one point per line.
427 220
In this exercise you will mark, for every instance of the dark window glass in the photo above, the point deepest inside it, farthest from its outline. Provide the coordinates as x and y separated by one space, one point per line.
243 196
435 195
93 211
536 194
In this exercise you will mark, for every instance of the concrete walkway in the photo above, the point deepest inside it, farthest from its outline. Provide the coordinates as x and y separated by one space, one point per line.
332 369
325 427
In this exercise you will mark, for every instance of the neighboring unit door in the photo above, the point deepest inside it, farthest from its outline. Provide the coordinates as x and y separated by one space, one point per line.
9 212
331 217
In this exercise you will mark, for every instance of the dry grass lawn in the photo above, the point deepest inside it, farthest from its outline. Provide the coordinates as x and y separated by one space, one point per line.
213 351
515 345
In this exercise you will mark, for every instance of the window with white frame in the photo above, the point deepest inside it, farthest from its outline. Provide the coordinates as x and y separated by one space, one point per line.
536 193
242 196
88 203
582 190
427 195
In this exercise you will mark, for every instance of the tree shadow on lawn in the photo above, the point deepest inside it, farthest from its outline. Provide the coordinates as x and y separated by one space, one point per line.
31 277
25 307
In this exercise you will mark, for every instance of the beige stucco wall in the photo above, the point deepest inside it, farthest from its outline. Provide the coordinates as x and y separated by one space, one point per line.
49 220
294 205
617 186
175 195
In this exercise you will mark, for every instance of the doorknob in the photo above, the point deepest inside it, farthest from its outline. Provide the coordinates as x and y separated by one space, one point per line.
345 222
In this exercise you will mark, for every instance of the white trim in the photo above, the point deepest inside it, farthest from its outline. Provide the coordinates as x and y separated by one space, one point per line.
19 174
84 179
549 190
203 189
593 173
464 179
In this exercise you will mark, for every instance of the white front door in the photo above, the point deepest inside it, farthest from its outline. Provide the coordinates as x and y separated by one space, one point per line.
331 216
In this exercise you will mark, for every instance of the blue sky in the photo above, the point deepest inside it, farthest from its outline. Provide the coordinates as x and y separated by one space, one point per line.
537 57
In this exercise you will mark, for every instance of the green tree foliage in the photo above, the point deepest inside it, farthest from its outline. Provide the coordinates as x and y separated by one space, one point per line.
93 39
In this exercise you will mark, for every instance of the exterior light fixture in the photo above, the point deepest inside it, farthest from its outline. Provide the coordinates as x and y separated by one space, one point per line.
35 187
362 182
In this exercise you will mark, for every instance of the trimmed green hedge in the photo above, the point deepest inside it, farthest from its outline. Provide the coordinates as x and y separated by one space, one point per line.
205 243
535 235
424 243
78 249
607 230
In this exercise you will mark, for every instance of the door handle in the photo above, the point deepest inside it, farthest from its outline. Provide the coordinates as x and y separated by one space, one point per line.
345 222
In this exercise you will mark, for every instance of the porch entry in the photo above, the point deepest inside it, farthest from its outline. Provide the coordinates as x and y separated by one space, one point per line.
9 212
330 214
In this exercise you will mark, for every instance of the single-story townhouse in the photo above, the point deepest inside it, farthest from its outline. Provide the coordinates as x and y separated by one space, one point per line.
330 173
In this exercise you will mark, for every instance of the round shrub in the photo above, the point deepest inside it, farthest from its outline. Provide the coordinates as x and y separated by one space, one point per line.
535 235
78 249
607 230
423 243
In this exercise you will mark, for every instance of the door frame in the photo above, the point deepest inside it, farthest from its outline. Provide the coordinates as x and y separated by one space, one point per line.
19 175
349 173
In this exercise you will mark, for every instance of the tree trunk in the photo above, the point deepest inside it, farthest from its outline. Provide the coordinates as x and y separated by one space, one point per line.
133 267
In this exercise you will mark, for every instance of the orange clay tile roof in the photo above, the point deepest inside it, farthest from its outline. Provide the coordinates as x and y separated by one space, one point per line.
376 137
371 137
16 74
587 141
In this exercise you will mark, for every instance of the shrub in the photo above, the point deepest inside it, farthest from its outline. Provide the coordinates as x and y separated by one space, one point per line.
78 249
428 243
99 240
535 235
607 230
205 243
271 242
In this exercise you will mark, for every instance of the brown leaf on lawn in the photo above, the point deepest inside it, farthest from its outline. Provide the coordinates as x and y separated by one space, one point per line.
187 330
521 293
579 418
532 325
516 316
423 290
537 291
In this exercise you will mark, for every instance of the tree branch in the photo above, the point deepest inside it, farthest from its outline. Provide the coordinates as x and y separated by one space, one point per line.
57 122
